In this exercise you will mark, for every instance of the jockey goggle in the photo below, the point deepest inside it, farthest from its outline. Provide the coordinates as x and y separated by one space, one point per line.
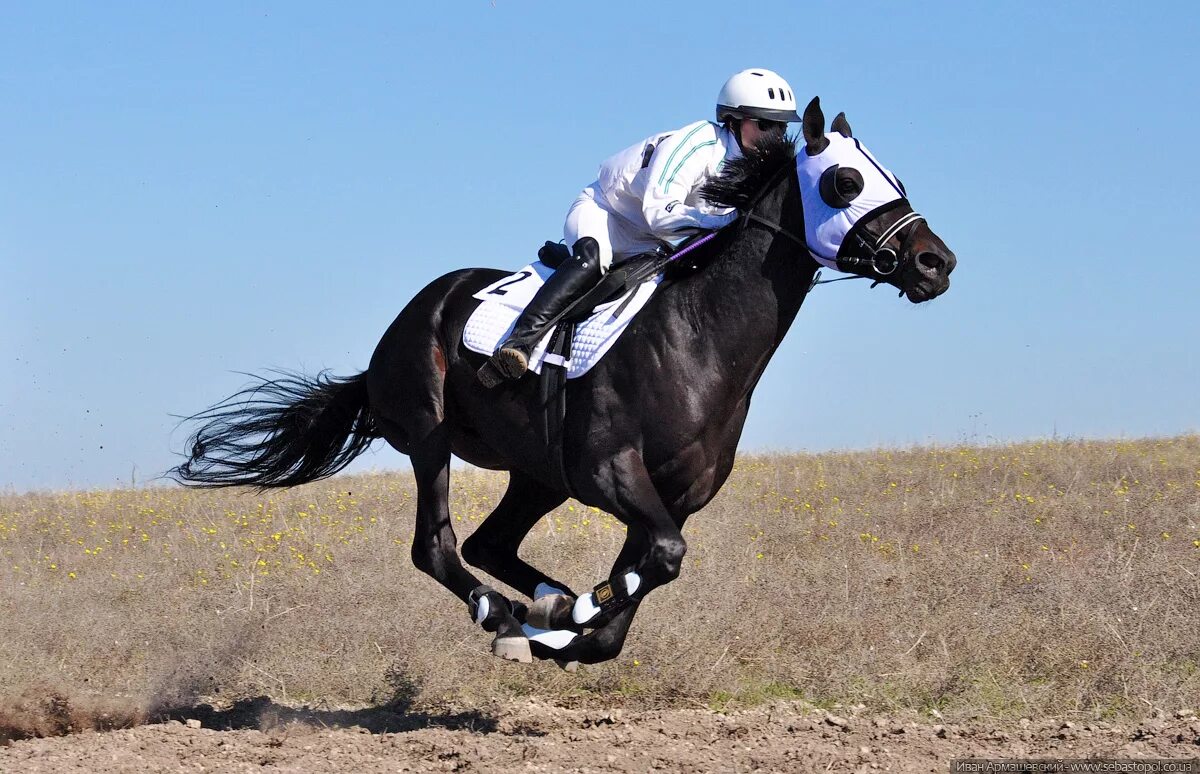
767 125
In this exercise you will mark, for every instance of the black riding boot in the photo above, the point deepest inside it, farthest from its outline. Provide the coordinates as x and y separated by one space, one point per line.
571 280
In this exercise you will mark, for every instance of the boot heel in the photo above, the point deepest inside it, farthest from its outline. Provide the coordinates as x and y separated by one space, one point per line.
511 362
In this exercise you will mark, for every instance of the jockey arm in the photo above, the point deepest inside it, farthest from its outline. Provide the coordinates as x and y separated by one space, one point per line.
680 164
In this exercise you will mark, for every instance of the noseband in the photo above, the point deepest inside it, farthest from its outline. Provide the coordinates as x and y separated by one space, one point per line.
881 258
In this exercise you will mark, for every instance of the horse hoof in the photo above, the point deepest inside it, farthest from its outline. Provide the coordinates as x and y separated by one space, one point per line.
512 649
567 666
552 611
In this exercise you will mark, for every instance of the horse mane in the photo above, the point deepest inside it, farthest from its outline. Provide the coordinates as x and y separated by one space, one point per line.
744 178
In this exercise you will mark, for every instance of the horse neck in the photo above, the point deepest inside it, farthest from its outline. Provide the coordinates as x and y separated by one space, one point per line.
754 289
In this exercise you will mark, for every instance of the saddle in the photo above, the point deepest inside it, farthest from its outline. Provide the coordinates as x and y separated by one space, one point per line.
623 275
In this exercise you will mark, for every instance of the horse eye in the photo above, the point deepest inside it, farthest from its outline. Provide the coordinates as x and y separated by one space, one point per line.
840 186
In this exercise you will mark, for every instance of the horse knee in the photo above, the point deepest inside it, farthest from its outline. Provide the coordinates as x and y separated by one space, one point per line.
666 558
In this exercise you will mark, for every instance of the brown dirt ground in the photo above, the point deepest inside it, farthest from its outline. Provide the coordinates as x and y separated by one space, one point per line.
258 734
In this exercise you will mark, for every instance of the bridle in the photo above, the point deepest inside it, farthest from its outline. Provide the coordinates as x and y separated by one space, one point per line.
881 259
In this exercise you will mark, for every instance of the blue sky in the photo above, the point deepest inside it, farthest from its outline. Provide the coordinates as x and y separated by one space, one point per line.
190 191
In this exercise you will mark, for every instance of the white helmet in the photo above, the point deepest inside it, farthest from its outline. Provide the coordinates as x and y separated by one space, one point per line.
757 93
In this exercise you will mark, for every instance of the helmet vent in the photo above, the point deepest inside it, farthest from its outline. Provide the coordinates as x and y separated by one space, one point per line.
770 93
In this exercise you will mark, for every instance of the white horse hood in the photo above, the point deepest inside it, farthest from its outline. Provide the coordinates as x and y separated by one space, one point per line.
826 226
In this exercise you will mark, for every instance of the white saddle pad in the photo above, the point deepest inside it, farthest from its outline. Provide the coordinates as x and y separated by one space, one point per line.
504 299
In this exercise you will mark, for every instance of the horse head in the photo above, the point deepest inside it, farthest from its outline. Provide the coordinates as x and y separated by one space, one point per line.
857 217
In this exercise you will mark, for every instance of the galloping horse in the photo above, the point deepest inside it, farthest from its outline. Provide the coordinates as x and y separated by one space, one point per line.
650 431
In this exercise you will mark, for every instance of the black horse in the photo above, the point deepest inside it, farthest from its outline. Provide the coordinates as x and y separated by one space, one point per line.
650 432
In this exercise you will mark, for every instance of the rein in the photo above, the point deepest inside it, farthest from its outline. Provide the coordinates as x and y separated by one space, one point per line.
750 216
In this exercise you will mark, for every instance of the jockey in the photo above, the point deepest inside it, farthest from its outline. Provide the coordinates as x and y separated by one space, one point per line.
645 196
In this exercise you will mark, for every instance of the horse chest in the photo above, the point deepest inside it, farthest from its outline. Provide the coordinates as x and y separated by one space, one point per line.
691 475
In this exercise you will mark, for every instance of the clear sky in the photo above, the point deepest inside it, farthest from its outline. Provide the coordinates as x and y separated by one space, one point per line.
193 190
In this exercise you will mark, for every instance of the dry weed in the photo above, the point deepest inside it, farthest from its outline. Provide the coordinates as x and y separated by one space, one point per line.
1054 577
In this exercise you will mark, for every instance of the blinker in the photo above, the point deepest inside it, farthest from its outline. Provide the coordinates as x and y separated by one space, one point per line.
840 185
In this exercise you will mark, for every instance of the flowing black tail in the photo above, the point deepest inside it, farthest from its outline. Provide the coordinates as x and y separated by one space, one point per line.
280 432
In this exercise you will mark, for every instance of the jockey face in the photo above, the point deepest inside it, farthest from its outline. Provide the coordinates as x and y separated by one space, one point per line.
752 130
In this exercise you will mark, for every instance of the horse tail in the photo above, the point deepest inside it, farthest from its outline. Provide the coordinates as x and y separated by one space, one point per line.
280 432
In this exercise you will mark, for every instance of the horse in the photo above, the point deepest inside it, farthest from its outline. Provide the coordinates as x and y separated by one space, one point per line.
650 431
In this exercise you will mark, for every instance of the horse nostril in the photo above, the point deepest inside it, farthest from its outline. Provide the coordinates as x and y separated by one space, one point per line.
931 261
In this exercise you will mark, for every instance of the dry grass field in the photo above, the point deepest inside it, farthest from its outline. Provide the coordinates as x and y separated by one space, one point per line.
1044 579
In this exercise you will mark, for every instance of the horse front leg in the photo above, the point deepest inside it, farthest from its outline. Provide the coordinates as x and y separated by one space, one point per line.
651 557
606 641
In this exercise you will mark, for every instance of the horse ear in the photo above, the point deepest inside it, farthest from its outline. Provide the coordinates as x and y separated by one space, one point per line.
814 128
841 126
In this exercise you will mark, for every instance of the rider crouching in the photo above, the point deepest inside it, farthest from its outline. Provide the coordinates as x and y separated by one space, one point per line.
644 196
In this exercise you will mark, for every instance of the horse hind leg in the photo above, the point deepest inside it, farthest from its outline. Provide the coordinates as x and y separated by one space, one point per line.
435 552
493 549
493 546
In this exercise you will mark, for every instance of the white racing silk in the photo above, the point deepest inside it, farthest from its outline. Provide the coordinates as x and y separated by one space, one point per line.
655 184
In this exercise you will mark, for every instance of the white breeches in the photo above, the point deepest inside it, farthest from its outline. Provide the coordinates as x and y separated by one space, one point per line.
616 235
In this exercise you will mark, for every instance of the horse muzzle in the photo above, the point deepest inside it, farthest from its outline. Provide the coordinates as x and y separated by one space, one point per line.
928 274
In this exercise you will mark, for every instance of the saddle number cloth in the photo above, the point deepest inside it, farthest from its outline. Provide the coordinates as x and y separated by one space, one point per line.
504 299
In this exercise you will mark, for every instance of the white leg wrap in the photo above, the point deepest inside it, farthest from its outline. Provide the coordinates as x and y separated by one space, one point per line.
551 638
482 608
586 608
545 590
